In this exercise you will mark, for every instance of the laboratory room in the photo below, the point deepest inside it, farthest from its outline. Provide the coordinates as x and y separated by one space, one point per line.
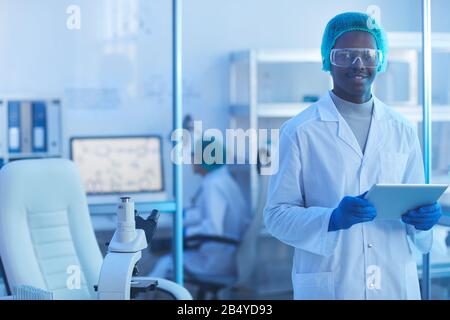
224 150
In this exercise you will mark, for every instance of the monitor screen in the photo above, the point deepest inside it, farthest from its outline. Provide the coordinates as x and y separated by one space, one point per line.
113 165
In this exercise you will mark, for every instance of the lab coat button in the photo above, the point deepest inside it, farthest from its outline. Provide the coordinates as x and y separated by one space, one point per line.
370 245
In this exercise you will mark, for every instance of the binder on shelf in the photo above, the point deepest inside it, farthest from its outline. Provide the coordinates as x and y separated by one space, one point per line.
14 126
33 128
25 127
39 131
53 128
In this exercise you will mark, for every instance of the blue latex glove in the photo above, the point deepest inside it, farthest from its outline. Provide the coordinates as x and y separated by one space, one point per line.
423 218
351 210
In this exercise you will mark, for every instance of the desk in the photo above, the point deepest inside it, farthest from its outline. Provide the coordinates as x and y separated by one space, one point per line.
108 222
438 270
111 208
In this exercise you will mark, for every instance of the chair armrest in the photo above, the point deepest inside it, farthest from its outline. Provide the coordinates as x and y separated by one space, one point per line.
195 241
172 288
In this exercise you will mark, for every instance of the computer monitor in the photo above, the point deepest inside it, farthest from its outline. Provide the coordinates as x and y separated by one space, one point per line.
119 165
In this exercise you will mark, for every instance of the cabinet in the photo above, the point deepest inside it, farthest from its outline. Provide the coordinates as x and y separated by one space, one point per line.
30 128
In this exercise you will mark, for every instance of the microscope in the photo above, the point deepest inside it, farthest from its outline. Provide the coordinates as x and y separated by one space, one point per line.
118 279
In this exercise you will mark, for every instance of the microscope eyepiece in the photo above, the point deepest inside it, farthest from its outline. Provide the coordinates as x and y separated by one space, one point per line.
125 199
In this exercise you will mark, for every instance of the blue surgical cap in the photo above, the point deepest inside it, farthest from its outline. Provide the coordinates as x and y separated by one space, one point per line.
216 146
352 21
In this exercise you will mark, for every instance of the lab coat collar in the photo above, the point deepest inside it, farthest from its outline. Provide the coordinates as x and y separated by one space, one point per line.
379 109
328 112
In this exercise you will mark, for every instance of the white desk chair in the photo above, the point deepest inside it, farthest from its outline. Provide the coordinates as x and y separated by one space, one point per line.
46 232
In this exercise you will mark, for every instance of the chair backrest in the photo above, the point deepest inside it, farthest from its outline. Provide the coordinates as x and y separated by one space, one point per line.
46 235
246 256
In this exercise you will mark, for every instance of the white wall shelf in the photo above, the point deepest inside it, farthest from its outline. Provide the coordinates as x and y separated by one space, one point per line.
279 56
413 40
271 110
440 113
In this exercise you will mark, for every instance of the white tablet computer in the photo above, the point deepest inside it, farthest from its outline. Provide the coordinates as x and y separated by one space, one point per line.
393 200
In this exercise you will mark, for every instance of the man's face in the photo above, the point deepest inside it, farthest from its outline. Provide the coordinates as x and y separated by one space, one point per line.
356 80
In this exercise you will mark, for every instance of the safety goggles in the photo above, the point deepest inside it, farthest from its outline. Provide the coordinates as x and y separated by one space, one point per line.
345 58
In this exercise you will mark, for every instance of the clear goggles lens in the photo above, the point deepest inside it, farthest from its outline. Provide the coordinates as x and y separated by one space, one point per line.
345 58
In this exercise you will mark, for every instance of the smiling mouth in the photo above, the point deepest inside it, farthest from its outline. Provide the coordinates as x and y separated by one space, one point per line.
358 76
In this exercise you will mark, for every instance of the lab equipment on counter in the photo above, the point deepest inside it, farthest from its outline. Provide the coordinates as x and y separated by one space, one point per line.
394 200
118 275
148 225
124 252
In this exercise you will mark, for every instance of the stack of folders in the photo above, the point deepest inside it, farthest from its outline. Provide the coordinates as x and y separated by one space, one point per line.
27 127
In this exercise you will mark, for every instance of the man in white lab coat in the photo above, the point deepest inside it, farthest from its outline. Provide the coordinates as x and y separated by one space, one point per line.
218 209
329 156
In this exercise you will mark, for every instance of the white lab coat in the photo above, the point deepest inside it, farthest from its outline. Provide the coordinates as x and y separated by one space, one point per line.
220 209
320 162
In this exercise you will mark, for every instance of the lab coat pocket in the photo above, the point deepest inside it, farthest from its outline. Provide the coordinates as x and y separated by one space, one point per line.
392 166
313 286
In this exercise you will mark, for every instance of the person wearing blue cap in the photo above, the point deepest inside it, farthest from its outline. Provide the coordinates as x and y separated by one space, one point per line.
217 210
329 156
